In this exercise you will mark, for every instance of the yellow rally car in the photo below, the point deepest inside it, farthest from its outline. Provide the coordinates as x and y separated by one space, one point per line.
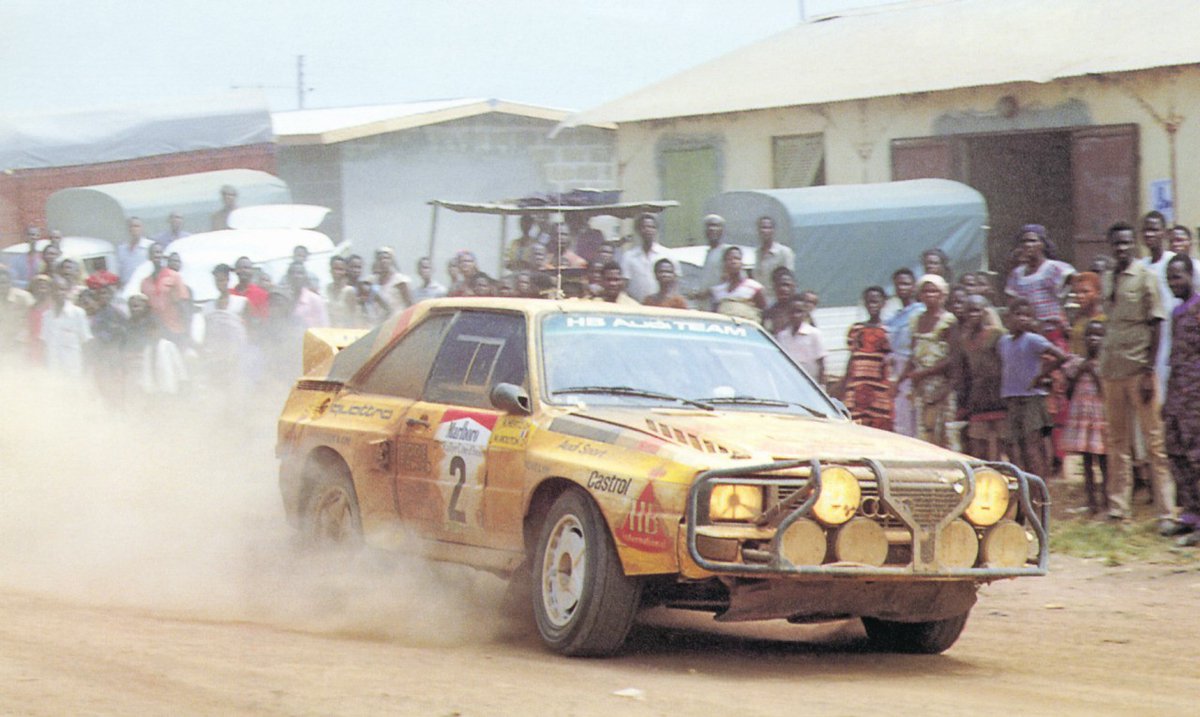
619 457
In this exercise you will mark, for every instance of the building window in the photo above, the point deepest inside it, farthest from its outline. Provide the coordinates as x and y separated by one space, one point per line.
798 160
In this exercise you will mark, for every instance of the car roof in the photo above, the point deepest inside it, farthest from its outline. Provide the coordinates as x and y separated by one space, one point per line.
541 307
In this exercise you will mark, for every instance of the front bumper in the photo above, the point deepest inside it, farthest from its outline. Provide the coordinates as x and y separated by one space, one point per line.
917 511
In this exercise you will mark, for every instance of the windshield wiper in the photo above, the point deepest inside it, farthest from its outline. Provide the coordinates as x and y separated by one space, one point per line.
756 401
631 391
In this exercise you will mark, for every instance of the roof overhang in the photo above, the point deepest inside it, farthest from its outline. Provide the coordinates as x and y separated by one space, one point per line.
334 125
922 47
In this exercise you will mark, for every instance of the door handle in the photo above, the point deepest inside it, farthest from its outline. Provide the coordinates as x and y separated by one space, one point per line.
414 422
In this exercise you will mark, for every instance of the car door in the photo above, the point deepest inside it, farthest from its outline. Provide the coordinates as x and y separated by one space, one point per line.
374 407
455 421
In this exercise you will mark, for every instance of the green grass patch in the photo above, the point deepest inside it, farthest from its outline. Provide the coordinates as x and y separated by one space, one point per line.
1117 544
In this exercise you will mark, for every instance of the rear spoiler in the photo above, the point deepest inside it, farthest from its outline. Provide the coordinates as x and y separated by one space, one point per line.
320 345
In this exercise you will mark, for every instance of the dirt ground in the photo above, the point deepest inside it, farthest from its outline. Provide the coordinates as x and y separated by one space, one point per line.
145 568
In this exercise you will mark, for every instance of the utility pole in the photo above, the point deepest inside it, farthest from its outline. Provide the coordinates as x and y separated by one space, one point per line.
300 90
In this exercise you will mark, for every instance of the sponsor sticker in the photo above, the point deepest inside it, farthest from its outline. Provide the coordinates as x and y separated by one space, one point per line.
605 483
644 528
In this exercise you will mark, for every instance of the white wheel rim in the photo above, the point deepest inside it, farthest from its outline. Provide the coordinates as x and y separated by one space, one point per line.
564 564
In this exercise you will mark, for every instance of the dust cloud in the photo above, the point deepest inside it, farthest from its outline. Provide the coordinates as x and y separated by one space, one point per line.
174 508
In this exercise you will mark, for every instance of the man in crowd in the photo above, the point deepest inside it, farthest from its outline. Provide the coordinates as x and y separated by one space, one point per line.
612 285
132 253
637 262
771 254
14 310
1153 238
1135 313
229 199
174 231
710 275
64 332
30 265
427 288
169 298
255 294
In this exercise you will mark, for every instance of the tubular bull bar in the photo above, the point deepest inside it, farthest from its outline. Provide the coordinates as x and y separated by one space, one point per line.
1037 516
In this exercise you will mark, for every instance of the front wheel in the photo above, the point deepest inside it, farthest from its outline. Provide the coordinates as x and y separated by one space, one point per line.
583 602
921 638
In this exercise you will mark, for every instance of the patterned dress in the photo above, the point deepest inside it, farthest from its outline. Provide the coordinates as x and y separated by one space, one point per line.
1182 406
931 395
1086 425
868 393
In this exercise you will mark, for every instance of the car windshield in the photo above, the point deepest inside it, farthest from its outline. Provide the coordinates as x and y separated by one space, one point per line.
606 359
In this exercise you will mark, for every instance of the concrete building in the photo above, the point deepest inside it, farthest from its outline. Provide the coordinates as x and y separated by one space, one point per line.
379 166
1070 113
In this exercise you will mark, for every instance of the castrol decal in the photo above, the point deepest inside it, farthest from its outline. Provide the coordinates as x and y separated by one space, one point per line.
644 528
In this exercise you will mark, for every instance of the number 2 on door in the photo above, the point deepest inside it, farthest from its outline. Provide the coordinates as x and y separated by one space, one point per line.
458 468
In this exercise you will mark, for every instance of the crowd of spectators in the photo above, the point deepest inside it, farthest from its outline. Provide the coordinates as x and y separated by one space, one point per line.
1102 363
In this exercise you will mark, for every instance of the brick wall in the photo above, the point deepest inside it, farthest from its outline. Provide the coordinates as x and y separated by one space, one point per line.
23 192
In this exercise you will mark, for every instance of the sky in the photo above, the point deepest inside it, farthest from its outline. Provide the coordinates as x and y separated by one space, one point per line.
69 55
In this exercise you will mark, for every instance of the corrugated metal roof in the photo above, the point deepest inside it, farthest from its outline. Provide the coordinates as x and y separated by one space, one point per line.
339 124
922 48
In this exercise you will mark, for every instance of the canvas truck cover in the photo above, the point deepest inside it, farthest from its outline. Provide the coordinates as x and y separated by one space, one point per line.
850 236
102 210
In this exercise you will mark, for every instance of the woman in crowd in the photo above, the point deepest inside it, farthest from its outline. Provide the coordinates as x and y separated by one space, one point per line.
340 295
867 391
926 368
899 326
737 294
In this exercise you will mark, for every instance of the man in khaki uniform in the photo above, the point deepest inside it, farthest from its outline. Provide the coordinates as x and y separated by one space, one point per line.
1135 314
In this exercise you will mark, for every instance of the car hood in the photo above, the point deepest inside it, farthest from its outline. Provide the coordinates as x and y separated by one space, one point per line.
768 436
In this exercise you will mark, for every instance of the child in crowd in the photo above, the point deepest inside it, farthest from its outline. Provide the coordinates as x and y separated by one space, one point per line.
867 391
1086 425
1023 376
801 340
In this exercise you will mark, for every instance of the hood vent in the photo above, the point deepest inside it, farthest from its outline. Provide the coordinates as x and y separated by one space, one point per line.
691 440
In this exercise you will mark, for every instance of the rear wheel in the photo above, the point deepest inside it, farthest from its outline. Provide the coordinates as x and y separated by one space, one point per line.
583 602
922 638
329 515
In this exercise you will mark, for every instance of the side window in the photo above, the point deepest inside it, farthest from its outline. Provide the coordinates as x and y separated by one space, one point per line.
480 350
402 372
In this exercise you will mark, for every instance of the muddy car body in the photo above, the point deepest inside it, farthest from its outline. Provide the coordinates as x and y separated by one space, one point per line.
614 457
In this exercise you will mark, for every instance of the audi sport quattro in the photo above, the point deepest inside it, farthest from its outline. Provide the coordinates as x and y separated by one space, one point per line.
611 458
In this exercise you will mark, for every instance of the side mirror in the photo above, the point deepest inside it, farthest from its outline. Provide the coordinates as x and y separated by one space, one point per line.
510 398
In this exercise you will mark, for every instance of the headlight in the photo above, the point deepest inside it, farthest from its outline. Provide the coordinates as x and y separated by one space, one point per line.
840 496
991 498
735 502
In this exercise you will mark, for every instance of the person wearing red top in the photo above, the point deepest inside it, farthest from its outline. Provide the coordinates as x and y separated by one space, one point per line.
255 294
168 296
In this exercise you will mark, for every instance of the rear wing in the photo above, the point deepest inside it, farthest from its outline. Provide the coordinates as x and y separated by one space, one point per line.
320 345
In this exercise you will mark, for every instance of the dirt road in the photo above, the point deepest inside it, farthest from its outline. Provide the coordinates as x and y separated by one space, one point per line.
145 569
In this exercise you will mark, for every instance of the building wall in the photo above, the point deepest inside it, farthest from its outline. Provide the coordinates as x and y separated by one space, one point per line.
385 182
23 193
858 134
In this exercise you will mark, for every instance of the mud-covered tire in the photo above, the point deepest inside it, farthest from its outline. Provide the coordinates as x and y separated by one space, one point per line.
329 513
583 602
918 638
